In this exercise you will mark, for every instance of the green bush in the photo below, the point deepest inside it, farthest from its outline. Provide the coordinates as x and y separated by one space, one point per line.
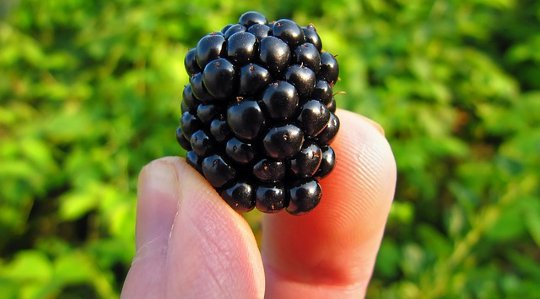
89 93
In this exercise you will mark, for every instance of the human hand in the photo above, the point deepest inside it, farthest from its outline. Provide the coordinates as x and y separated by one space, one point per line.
191 244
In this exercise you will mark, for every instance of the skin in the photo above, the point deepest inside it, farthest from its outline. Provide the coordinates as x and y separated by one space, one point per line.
191 244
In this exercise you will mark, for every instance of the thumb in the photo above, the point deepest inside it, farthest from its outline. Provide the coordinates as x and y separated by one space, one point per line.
190 243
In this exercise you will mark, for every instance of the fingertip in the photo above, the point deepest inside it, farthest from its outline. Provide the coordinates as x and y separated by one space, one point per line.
157 204
364 178
190 243
157 200
336 243
357 195
211 245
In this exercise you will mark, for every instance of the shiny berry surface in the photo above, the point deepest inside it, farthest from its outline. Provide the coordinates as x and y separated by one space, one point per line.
304 196
224 29
331 106
327 135
198 89
201 143
329 68
182 140
242 48
253 78
274 53
328 162
322 92
313 117
280 100
288 31
190 62
240 196
189 124
220 129
206 113
217 171
209 48
307 55
251 18
260 31
283 142
269 171
189 99
303 78
258 114
194 160
239 151
307 161
245 119
219 78
233 29
270 198
311 36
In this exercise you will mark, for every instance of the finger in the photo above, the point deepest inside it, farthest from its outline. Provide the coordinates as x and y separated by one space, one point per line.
157 203
211 246
194 245
330 252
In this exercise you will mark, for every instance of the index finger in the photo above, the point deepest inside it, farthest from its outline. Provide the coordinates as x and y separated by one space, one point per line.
330 252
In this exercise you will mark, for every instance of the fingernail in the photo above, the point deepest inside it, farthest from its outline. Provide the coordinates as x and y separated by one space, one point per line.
158 200
159 175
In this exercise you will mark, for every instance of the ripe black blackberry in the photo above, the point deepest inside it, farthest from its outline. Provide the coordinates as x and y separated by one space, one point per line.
258 114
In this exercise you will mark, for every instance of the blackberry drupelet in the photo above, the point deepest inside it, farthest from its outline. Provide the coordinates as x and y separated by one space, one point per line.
258 114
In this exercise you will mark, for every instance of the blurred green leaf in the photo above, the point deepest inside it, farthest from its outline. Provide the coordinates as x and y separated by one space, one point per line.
389 259
532 218
509 226
27 266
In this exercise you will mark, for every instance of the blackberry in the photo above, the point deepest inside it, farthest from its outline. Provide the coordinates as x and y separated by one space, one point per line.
307 161
260 30
283 142
275 54
201 143
246 119
313 117
270 198
189 124
280 100
190 62
253 78
311 36
209 48
242 47
233 29
307 54
242 153
329 68
219 129
190 102
304 196
240 196
322 92
217 171
303 78
258 114
198 90
289 32
206 113
251 18
269 171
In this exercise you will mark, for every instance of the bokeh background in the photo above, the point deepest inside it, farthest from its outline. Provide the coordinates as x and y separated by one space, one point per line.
90 92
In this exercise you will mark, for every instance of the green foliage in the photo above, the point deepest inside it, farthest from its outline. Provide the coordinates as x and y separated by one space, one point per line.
89 93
